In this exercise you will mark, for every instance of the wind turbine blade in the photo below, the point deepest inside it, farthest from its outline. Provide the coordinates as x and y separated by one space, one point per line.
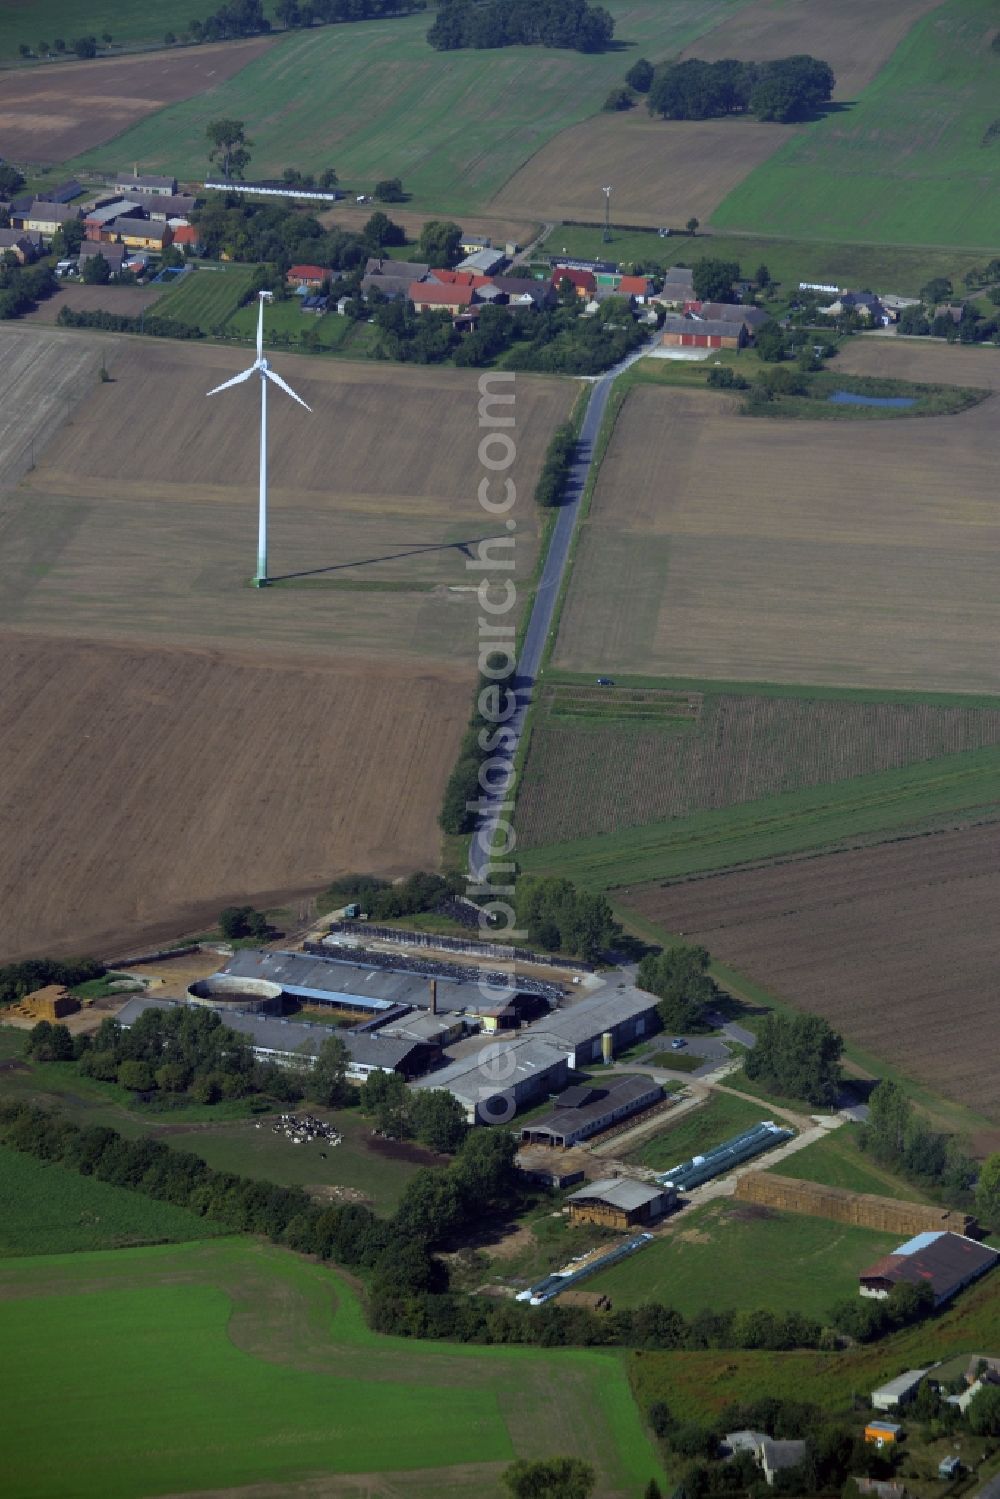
260 328
236 380
286 388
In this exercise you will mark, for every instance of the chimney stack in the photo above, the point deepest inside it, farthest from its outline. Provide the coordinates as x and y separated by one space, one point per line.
434 996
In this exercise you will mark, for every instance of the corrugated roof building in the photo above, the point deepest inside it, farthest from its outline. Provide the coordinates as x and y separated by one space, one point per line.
500 1077
946 1262
626 1015
619 1202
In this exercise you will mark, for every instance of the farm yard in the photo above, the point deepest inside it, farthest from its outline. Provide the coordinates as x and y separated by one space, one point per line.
705 554
665 173
605 767
127 559
294 1374
454 126
55 111
892 945
908 163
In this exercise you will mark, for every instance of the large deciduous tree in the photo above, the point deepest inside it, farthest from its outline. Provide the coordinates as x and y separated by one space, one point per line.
679 978
229 146
798 1055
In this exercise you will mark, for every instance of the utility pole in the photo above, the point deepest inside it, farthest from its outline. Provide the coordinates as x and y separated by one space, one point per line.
607 215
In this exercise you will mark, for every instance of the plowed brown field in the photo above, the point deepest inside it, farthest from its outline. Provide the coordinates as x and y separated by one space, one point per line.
665 173
142 790
146 781
859 555
51 113
895 946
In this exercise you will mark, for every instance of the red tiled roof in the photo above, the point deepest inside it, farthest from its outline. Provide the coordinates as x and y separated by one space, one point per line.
308 272
442 296
459 278
584 280
185 234
634 286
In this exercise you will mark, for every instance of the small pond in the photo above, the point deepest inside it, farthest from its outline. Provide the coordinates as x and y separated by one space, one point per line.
850 398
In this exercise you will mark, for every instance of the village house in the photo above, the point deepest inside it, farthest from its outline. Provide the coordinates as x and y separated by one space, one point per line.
20 243
177 206
429 296
732 312
308 278
678 287
136 182
583 282
186 237
138 234
113 254
391 278
47 218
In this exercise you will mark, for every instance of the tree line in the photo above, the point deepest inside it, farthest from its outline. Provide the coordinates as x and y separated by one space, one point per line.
575 24
789 88
120 322
551 487
897 1137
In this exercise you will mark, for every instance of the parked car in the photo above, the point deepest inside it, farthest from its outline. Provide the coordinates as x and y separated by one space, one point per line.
678 1043
605 681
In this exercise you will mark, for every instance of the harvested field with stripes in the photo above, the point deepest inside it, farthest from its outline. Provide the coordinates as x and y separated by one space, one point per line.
605 759
766 550
895 946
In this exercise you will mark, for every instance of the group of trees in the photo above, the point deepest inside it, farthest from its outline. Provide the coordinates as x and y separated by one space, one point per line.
797 1056
789 88
679 978
275 234
430 1115
527 23
296 13
551 487
897 1137
23 287
83 46
561 918
243 921
387 901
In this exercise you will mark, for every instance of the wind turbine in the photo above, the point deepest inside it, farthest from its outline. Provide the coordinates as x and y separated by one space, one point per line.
260 366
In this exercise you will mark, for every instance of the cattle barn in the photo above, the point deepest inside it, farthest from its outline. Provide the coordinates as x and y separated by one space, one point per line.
587 1109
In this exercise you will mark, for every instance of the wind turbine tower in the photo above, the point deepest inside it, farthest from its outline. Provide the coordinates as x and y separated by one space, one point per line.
261 367
607 214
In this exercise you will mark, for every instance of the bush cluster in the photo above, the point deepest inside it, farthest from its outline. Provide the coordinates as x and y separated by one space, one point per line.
495 705
23 287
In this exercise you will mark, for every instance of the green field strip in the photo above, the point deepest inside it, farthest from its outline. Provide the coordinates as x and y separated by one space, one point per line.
792 823
911 162
708 686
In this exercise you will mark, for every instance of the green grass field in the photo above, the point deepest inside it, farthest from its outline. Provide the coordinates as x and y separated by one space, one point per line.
239 1363
723 1257
825 258
836 1161
871 806
704 1127
205 298
913 161
49 1209
373 100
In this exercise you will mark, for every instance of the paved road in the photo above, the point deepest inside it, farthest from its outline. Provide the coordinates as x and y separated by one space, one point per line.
543 608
